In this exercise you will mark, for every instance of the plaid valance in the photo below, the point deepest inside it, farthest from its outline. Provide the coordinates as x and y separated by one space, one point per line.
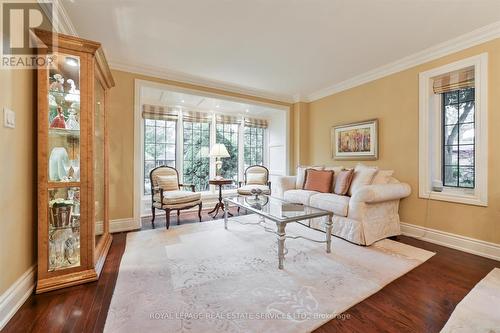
196 117
224 119
461 79
159 112
254 122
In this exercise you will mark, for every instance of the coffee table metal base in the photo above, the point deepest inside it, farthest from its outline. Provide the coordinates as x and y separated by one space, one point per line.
281 234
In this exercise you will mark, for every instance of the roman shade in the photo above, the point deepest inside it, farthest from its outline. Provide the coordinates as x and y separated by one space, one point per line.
196 117
460 79
159 112
224 119
254 122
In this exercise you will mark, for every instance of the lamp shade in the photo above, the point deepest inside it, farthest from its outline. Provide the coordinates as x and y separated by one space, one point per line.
219 150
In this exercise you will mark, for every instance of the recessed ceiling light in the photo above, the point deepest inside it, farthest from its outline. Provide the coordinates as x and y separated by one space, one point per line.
247 110
217 105
182 101
71 61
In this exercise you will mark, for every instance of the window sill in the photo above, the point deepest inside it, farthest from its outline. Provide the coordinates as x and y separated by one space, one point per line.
467 197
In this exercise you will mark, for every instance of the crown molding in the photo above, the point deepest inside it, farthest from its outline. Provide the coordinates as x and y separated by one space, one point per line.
457 44
166 74
63 24
60 18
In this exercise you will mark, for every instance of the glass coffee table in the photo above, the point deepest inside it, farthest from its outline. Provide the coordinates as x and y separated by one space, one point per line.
280 212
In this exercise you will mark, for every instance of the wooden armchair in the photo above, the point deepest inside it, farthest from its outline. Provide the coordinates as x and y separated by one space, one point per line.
166 193
256 177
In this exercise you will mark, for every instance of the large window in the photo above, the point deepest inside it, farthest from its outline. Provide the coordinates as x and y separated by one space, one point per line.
227 134
196 148
182 139
453 132
459 138
159 146
254 146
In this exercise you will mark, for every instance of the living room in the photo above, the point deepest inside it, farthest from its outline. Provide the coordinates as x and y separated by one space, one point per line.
250 166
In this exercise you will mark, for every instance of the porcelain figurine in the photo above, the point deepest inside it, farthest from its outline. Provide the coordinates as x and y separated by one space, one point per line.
58 83
72 123
58 121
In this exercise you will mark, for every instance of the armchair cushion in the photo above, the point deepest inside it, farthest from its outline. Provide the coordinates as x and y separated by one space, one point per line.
256 174
254 178
167 183
247 189
177 197
299 196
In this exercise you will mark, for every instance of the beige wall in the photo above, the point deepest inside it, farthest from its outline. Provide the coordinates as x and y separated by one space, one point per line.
17 177
394 101
121 137
300 128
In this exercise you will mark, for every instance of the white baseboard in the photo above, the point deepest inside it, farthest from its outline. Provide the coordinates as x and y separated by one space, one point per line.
12 299
458 242
120 225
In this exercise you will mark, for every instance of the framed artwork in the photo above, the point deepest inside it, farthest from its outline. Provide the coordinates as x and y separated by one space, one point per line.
355 141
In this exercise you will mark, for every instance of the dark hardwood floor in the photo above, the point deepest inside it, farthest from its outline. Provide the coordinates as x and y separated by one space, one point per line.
420 301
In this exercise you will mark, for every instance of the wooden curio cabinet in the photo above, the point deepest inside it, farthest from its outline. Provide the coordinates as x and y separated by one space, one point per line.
73 222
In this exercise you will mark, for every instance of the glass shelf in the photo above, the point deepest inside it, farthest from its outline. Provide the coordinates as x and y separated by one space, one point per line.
64 132
64 228
64 120
75 95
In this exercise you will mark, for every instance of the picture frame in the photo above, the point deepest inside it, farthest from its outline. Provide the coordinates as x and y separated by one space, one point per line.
355 141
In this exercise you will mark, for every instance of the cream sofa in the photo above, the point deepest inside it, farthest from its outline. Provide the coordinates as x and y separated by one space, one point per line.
369 214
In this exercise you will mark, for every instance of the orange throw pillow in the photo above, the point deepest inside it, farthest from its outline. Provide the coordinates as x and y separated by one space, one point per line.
319 180
343 182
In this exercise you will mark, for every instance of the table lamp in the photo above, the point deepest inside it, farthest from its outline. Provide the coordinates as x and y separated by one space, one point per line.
218 151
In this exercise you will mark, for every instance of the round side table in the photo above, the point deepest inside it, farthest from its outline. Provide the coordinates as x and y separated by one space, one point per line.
220 204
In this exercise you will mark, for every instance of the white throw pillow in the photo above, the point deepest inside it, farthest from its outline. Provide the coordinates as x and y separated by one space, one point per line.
363 175
168 183
382 177
301 174
336 170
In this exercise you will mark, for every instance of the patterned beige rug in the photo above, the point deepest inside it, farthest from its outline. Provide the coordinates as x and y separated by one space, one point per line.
479 311
203 278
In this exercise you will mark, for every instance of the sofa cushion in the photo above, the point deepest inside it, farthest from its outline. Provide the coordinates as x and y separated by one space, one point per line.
336 170
301 175
338 204
382 177
343 182
178 197
247 189
319 180
299 196
363 175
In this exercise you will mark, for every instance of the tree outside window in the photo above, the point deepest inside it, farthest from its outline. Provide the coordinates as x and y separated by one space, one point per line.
227 134
196 163
459 138
254 146
159 146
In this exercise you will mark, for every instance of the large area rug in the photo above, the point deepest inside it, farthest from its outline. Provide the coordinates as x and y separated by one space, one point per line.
479 311
203 278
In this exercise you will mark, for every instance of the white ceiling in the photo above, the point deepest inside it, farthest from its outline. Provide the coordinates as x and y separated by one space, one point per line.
191 101
285 48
